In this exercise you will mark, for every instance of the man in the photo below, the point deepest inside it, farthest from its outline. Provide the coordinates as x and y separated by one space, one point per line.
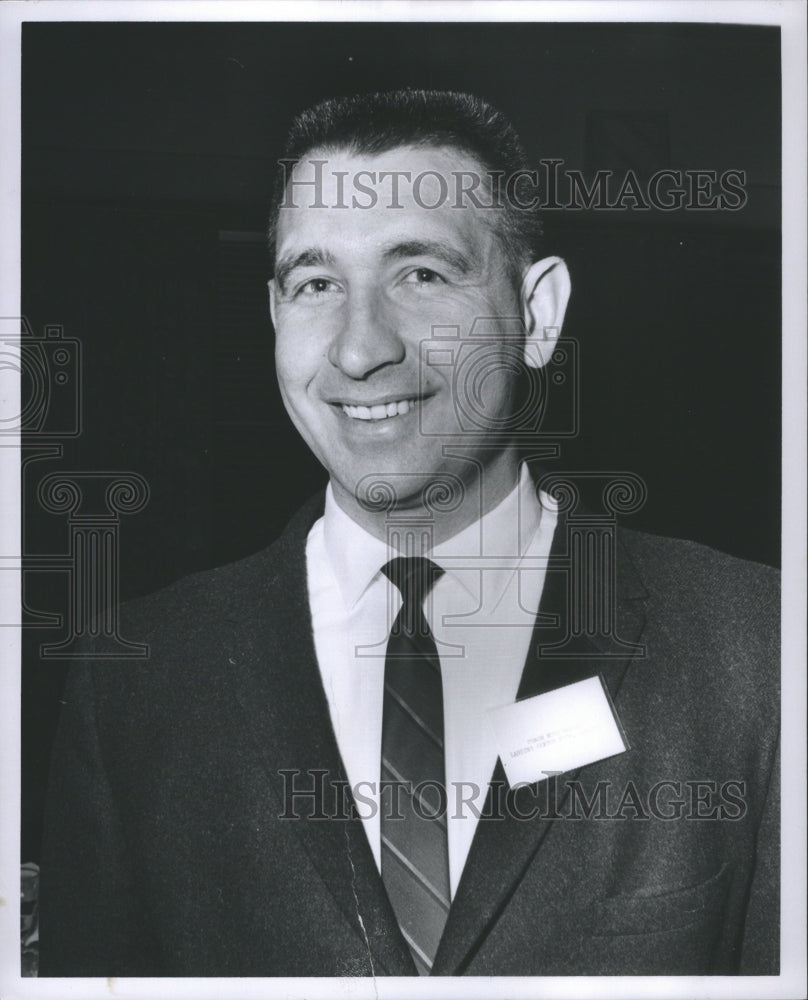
314 773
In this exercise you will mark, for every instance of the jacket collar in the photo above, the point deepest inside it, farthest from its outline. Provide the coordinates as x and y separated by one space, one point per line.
286 714
503 849
286 711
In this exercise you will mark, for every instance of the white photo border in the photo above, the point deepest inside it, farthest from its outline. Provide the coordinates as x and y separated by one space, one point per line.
790 16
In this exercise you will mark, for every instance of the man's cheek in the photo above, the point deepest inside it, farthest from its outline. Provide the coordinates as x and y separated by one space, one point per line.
295 357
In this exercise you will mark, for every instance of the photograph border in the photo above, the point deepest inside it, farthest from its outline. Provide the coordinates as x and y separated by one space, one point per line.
791 17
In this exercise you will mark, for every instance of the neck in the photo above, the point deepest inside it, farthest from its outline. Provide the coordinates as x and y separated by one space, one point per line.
445 511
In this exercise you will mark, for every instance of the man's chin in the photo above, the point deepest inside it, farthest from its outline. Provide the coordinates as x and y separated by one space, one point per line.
381 490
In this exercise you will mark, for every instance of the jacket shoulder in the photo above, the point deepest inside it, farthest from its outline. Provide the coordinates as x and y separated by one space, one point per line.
716 617
683 571
196 628
224 593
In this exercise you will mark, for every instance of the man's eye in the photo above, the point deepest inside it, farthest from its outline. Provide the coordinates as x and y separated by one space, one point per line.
424 276
317 286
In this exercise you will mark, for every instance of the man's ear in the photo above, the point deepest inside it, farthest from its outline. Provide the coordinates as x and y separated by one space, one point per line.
271 290
545 293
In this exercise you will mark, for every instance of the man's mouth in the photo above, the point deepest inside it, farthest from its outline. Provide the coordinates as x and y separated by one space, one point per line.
380 411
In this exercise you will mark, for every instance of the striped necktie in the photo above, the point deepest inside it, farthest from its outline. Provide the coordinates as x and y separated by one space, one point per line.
414 846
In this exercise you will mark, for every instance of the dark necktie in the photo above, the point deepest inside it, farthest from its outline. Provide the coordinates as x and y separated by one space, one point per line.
414 846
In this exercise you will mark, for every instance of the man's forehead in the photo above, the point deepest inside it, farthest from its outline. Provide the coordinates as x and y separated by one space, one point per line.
407 192
444 159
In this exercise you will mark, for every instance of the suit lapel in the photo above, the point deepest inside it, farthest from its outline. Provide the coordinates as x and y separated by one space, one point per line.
503 849
286 713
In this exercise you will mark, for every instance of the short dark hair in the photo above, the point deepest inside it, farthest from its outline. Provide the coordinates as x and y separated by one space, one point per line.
376 123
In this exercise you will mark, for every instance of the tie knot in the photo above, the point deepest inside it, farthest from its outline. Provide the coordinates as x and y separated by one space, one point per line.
414 577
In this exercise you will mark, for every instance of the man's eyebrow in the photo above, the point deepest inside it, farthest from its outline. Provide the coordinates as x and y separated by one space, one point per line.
429 248
310 257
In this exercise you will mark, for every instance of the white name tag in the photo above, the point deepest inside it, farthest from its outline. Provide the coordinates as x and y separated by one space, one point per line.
557 731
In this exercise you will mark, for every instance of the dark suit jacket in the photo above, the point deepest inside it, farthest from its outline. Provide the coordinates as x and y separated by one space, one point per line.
165 853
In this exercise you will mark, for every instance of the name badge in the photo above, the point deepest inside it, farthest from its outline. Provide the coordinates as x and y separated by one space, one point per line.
557 731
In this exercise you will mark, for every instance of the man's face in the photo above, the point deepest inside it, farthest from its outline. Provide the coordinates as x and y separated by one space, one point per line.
356 292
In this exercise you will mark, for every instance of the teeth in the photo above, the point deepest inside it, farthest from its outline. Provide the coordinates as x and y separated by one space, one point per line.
379 412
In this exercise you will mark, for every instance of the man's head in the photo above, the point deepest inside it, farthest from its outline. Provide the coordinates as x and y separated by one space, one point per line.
370 124
384 246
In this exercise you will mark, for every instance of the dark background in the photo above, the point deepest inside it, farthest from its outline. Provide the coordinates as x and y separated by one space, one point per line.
147 163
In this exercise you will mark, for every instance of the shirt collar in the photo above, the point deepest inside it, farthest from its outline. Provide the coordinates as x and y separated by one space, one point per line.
494 542
355 555
505 533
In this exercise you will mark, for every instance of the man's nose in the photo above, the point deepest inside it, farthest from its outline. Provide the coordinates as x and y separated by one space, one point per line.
368 338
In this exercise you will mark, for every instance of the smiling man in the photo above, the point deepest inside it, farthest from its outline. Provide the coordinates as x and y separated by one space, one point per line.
343 755
355 295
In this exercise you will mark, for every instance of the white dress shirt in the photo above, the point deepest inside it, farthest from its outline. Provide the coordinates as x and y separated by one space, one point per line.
481 612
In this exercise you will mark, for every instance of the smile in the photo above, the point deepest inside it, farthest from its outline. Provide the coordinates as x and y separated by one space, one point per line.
381 411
